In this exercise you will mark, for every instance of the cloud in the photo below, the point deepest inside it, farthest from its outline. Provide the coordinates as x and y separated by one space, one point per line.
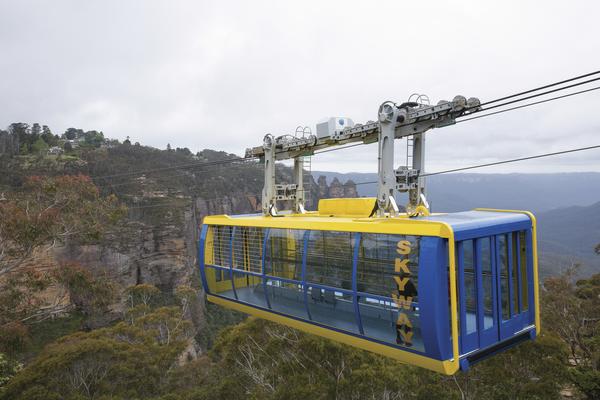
220 75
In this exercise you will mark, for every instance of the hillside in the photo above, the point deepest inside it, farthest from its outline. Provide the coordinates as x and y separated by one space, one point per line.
149 260
156 242
167 199
569 235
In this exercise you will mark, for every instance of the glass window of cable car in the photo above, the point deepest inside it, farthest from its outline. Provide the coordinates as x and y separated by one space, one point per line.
329 279
387 286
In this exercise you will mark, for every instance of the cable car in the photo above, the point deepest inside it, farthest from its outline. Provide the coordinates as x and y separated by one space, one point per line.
439 291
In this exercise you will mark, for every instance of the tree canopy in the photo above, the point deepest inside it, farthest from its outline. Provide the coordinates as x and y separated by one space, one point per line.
47 212
132 359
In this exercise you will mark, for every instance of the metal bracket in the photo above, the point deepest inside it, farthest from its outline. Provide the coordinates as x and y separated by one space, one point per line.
420 209
299 195
388 116
397 121
285 191
406 179
273 192
269 205
416 193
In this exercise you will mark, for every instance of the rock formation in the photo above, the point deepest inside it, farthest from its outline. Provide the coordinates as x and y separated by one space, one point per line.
336 189
350 189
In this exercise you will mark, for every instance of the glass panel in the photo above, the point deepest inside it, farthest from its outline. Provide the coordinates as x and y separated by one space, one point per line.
503 275
287 298
470 287
388 267
252 291
239 255
487 282
247 247
222 235
378 269
329 258
219 275
283 256
381 321
222 285
524 282
332 308
253 241
515 273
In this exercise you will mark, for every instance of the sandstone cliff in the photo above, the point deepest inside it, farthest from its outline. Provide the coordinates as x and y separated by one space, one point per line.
157 242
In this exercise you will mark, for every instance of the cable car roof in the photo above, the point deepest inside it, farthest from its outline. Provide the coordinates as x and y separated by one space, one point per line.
338 214
481 222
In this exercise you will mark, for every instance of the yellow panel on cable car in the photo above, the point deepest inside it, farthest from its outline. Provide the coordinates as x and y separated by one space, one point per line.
440 291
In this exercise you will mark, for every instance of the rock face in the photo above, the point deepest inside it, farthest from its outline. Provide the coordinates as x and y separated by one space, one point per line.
157 244
323 189
336 189
350 189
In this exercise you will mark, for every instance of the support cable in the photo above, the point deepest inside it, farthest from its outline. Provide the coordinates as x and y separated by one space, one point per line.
500 162
540 88
528 104
539 94
514 160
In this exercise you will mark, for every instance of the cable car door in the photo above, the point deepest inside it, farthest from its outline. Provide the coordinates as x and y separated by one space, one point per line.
478 294
493 276
513 269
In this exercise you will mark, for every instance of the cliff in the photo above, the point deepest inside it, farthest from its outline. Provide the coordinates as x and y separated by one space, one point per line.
157 242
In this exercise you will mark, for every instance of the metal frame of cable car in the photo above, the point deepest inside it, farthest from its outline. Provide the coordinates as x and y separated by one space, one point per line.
439 291
409 119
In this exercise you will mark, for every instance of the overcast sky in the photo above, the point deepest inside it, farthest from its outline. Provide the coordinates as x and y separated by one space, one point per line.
222 74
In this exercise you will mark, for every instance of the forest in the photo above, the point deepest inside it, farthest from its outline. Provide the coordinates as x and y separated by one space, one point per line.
72 330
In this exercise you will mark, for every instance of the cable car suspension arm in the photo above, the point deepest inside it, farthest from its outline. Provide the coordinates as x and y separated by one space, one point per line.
394 122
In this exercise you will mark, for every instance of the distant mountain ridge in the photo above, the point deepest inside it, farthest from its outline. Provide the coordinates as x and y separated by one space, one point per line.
566 206
570 234
459 192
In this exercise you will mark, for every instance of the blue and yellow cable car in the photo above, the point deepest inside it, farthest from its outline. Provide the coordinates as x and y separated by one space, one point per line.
440 291
437 291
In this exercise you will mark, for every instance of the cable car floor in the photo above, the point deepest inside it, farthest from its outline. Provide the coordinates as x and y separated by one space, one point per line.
329 310
377 322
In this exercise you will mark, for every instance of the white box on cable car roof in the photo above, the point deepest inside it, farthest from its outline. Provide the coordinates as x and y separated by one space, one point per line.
332 127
